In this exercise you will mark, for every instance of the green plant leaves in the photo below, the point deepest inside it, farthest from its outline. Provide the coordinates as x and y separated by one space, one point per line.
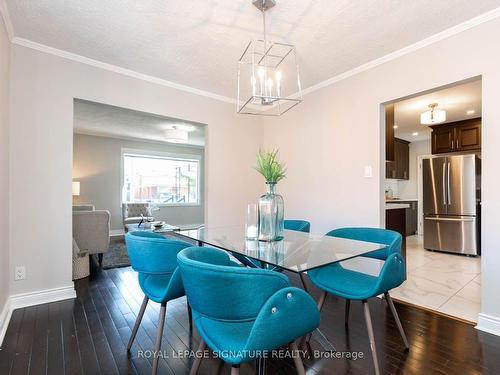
269 166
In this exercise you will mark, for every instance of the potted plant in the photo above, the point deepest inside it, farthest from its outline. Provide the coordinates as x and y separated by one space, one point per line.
271 206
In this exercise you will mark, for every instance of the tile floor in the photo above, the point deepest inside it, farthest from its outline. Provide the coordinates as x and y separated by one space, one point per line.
447 283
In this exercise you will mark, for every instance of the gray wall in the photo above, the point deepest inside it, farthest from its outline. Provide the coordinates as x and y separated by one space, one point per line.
97 165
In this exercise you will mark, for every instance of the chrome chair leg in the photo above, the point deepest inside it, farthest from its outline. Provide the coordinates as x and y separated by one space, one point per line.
347 309
137 322
261 366
396 318
296 359
235 370
159 334
371 336
197 361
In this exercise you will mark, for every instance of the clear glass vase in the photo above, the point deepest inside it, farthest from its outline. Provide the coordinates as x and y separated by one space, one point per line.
271 215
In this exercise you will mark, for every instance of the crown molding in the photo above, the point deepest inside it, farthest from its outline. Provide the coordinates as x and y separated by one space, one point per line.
116 69
473 22
457 29
6 19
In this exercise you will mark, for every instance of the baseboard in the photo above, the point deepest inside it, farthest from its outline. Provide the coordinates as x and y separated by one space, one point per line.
43 296
4 319
488 323
116 232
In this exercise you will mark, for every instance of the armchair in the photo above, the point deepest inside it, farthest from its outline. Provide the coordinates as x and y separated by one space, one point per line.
132 212
91 231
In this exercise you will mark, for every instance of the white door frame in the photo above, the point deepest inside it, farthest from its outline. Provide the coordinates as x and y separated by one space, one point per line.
420 194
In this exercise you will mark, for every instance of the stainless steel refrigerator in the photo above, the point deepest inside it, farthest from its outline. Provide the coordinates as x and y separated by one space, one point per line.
451 203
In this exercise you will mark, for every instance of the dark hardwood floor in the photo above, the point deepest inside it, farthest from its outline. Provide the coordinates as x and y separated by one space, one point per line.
88 335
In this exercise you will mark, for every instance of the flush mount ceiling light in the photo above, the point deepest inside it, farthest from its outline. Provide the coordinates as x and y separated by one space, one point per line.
185 127
176 135
268 74
434 116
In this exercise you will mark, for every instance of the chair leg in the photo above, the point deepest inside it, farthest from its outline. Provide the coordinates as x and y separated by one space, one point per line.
197 361
159 334
347 309
307 338
99 256
369 327
190 316
137 322
261 366
296 359
303 279
396 318
235 370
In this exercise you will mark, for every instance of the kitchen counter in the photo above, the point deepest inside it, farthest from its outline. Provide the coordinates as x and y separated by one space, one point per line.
395 206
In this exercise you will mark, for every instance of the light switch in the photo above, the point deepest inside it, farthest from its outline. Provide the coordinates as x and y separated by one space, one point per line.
368 171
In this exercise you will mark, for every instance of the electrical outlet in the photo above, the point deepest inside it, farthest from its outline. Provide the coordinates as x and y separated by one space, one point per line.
20 273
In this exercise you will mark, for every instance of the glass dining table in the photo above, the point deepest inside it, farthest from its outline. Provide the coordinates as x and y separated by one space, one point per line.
296 252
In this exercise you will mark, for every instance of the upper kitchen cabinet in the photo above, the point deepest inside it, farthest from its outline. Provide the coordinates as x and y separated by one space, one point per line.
399 169
457 136
389 132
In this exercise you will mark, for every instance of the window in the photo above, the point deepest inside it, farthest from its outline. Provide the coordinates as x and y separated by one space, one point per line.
160 180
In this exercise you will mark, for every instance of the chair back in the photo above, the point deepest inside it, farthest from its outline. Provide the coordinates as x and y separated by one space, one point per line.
298 225
135 210
83 207
91 230
392 239
151 253
220 289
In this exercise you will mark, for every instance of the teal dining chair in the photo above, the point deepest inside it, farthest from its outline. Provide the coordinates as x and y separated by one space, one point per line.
155 259
298 225
358 286
240 312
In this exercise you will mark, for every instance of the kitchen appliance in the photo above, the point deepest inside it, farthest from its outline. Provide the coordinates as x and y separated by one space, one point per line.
451 203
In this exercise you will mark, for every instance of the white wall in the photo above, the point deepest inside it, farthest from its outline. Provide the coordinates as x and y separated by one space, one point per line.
329 138
97 164
42 92
408 189
4 167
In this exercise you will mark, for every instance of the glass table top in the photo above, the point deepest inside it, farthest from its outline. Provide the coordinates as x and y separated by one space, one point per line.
296 252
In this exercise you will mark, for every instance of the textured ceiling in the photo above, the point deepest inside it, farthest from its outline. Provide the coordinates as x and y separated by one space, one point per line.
106 120
197 42
455 100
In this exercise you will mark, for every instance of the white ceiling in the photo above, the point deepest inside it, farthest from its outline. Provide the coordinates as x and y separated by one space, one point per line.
197 42
109 121
455 100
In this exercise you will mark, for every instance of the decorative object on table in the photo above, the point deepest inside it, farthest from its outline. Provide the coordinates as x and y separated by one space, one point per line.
252 222
271 205
158 224
268 74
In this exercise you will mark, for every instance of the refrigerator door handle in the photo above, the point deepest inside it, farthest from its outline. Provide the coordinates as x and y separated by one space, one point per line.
464 219
444 184
448 182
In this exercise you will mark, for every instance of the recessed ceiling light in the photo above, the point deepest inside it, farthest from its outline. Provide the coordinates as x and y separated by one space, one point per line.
414 134
470 112
395 126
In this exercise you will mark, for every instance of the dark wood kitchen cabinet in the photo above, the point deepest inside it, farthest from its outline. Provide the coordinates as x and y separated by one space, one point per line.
399 169
411 217
457 136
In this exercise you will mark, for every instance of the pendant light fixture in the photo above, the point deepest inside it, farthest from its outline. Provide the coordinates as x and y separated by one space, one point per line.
434 116
268 74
